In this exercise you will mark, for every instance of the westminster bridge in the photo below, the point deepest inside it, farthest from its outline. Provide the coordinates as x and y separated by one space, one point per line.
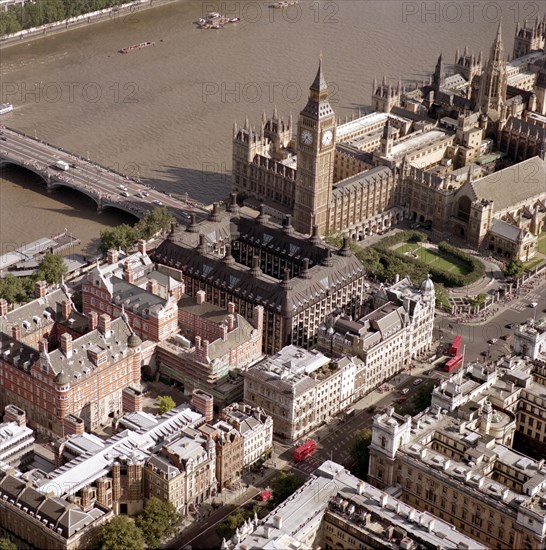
100 183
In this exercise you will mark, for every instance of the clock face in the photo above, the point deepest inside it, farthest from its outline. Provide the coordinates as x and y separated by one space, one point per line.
306 137
327 137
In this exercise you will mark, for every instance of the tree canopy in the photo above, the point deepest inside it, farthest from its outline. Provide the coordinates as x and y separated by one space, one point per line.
159 520
16 289
360 452
283 485
52 268
514 268
166 403
159 219
34 14
124 236
120 533
6 544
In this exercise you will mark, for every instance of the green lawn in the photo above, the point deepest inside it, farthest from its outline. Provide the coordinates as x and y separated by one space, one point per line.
531 264
542 243
431 257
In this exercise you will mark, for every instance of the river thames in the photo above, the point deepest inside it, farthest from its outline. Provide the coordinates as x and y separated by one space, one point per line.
166 113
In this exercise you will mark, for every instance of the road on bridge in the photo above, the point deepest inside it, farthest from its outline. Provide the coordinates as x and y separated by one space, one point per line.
98 182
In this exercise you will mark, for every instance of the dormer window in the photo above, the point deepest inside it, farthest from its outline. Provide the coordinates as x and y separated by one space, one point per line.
26 325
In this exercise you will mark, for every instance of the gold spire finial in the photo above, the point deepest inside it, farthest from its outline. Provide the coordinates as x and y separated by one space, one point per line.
320 56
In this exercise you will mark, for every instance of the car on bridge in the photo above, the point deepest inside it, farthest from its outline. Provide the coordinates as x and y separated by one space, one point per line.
124 194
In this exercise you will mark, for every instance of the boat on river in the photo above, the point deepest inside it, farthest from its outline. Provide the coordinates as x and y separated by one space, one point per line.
135 47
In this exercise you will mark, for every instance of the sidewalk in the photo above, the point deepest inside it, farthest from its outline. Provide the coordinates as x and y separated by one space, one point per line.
374 397
501 307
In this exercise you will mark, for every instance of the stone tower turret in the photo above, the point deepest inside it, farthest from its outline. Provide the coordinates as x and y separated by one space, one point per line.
385 96
493 82
439 75
529 37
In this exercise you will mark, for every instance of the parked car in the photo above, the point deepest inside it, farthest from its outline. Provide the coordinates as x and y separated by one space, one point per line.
404 391
507 337
493 341
533 304
417 382
509 325
401 400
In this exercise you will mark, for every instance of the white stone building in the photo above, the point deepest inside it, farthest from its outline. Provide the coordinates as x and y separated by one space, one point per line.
385 340
300 389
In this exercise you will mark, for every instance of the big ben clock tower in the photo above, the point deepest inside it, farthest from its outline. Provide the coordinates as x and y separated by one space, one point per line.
316 139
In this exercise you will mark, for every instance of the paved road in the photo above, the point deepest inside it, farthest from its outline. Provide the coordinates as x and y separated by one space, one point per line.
476 336
202 533
95 181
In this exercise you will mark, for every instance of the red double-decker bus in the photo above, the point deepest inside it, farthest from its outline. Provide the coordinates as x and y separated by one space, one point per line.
304 450
456 346
454 362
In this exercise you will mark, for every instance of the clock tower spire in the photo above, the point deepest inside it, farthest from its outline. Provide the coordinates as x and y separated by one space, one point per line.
316 146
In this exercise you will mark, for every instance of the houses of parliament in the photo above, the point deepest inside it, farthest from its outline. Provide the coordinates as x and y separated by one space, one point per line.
461 154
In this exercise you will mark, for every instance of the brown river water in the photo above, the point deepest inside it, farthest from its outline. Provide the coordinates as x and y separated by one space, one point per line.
165 113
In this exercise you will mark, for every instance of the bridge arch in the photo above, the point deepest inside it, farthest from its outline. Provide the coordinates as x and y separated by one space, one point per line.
118 206
55 183
25 166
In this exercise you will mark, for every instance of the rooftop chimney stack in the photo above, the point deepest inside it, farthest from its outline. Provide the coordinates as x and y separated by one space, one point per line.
3 307
16 332
231 322
93 320
66 345
142 246
152 286
200 297
315 238
105 324
112 256
66 309
40 289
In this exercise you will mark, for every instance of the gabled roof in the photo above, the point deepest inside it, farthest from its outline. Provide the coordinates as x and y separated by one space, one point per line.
507 230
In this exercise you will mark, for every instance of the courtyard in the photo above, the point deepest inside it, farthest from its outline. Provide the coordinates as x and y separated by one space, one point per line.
433 258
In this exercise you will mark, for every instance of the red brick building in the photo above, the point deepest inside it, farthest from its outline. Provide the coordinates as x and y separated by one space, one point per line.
132 285
214 344
54 362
